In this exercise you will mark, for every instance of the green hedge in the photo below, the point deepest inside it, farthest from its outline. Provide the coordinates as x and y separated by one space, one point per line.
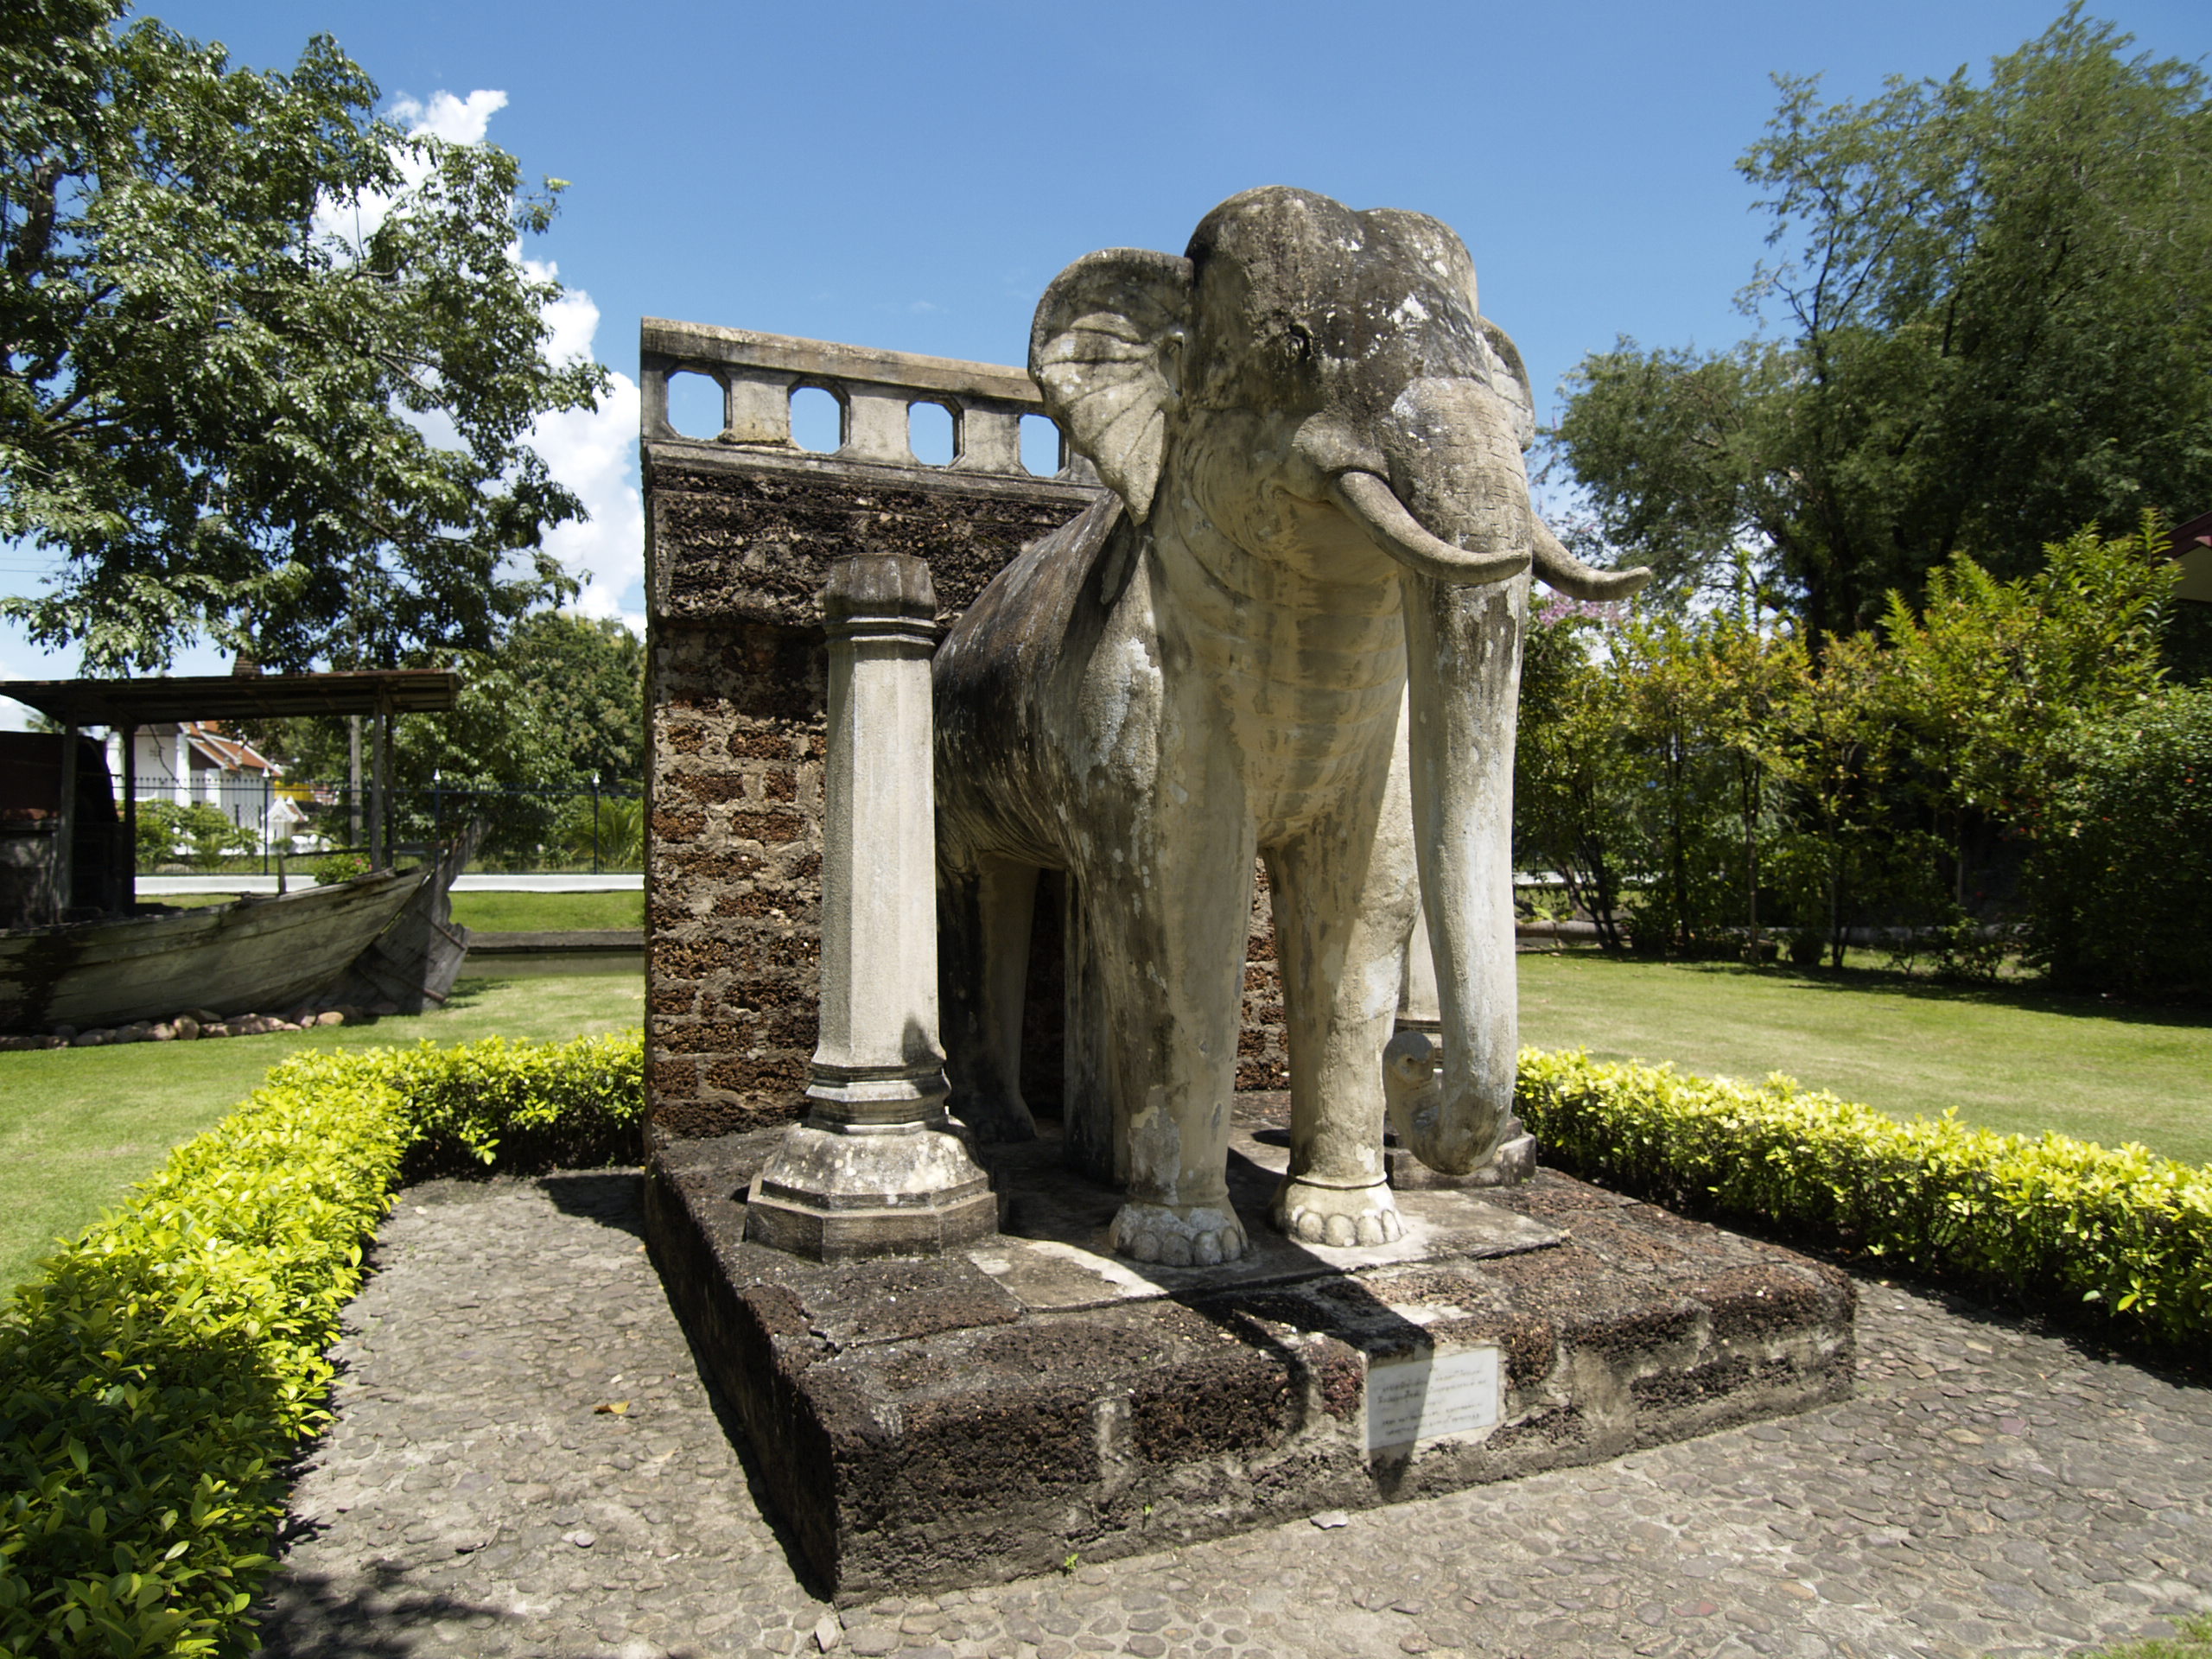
157 1376
2051 1223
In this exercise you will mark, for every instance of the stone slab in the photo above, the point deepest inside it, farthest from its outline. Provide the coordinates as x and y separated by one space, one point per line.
923 1424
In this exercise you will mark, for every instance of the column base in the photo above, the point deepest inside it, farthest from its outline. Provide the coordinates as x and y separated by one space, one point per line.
836 1196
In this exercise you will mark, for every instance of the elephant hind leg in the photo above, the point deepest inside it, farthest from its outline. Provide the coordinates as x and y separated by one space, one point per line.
983 948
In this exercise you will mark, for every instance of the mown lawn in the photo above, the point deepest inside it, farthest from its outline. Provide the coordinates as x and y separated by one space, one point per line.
79 1125
2008 1058
548 912
506 913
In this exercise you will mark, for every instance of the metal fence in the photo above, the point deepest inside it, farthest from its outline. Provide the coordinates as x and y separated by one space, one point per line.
234 822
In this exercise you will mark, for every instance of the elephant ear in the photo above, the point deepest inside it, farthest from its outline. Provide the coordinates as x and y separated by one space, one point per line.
1510 379
1106 351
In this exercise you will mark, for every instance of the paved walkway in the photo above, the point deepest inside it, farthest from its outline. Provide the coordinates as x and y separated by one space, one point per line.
1987 1491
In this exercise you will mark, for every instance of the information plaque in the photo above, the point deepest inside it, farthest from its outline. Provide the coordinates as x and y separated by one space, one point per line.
1411 1401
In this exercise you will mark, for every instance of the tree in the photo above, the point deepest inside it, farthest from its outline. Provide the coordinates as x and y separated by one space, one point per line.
1995 313
1991 678
2121 879
218 400
1572 809
559 704
1833 741
1756 669
198 834
586 677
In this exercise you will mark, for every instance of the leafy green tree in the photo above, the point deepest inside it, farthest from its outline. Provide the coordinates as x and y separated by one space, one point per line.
2120 881
1572 800
585 677
1991 679
561 700
1994 304
606 831
218 400
1674 705
1756 664
1832 744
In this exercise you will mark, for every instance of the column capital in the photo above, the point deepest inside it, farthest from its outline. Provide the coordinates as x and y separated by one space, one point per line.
867 589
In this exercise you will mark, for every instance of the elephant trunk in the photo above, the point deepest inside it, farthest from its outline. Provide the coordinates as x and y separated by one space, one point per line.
1455 512
1455 466
1463 650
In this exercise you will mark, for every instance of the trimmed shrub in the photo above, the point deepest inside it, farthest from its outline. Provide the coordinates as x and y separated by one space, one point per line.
2052 1223
157 1377
521 1105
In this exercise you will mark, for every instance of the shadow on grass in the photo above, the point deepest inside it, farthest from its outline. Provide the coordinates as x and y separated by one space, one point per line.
471 990
2027 998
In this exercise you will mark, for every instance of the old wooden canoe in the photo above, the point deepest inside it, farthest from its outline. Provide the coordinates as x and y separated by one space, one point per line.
255 955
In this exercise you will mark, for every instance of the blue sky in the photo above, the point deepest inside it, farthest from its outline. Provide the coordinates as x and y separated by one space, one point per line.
910 176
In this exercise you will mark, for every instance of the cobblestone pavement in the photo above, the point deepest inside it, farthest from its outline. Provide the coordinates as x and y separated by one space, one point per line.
1987 1491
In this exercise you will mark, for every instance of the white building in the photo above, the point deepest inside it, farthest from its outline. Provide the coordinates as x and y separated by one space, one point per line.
195 761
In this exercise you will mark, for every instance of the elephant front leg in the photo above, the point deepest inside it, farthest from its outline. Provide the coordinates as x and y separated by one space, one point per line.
1343 904
1169 938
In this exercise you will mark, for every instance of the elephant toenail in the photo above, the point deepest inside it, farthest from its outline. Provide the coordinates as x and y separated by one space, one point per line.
1145 1247
1209 1250
1341 1232
1370 1229
1175 1250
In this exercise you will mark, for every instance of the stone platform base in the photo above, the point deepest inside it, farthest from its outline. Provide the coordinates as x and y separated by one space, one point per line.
927 1423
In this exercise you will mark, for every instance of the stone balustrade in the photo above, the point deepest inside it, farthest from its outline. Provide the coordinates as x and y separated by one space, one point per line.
876 392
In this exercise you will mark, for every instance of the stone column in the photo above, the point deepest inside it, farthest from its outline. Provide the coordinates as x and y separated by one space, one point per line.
876 1168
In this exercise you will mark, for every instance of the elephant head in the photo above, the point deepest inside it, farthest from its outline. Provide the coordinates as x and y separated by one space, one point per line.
1315 388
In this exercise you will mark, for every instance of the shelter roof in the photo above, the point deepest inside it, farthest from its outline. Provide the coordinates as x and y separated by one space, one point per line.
2192 551
233 697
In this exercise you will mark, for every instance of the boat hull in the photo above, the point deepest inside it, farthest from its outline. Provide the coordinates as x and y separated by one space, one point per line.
255 955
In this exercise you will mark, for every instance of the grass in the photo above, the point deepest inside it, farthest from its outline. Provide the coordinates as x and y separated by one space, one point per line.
2192 1640
2010 1058
79 1125
548 912
504 912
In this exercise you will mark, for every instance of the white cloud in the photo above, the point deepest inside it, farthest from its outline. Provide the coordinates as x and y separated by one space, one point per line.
456 120
594 453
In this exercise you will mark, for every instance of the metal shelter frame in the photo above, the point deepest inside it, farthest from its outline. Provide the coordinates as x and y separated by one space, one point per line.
122 706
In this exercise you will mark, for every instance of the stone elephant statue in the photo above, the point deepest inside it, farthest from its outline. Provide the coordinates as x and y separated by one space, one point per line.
1295 628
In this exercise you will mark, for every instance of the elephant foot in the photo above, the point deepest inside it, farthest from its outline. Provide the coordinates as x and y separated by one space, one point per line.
1339 1216
1179 1235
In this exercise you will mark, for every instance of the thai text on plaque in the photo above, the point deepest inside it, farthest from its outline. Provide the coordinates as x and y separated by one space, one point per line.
1432 1397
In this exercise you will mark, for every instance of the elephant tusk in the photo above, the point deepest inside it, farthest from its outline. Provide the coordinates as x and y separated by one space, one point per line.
1377 510
1577 580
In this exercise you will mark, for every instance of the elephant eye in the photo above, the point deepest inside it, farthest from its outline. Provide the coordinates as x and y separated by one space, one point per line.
1296 342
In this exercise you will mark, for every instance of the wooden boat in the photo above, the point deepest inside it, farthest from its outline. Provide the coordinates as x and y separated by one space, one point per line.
260 954
66 856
